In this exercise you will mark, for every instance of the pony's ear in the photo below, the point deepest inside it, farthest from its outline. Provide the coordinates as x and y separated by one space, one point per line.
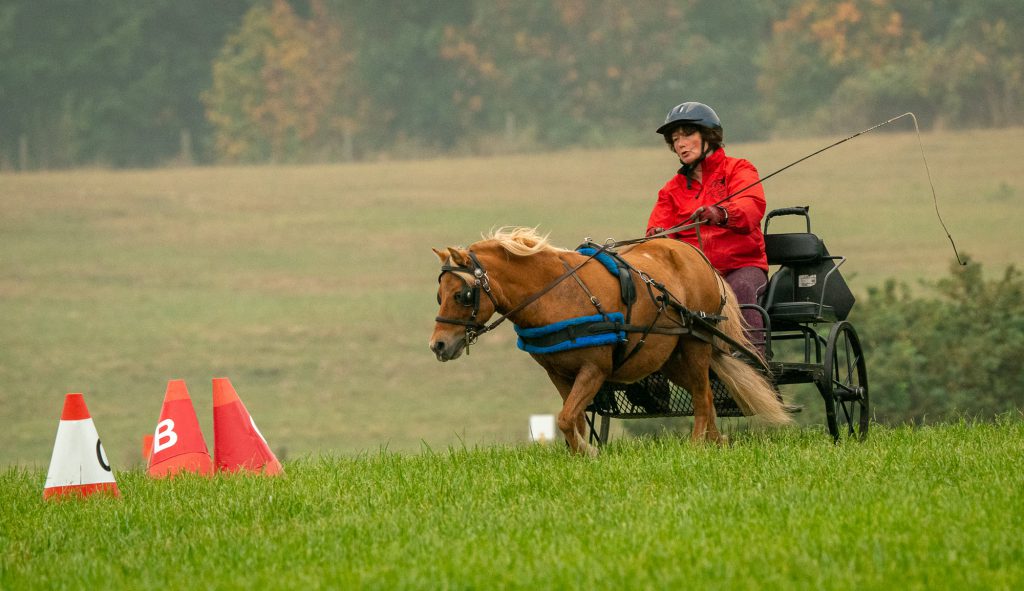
440 255
458 257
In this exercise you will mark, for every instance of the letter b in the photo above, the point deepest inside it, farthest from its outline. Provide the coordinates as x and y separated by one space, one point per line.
165 436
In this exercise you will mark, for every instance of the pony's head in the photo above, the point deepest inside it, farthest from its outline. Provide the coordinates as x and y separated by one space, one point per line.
466 303
464 289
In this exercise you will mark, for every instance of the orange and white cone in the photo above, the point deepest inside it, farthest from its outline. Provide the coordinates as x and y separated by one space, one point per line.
178 443
237 443
79 466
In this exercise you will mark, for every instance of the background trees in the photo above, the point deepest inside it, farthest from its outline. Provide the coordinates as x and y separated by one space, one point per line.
279 87
140 84
107 82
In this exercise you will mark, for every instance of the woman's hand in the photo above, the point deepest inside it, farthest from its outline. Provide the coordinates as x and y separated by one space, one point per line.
713 215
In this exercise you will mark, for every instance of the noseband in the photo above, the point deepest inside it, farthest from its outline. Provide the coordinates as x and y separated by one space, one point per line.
474 280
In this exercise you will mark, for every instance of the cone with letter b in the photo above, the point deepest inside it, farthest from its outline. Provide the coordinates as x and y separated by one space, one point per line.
79 466
237 443
178 443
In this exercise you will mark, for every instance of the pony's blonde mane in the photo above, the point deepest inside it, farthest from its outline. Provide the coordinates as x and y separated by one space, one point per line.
521 241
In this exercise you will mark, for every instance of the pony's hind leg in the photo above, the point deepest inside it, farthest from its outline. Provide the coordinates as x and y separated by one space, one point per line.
688 367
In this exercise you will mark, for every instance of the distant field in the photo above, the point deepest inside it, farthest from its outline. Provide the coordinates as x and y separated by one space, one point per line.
934 508
313 287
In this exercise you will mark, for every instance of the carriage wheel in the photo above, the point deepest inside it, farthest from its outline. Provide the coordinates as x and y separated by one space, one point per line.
846 389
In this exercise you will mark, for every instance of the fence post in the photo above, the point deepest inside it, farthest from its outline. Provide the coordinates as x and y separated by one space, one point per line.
347 146
23 152
185 154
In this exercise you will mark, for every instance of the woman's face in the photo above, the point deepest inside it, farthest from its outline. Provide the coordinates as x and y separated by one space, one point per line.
688 146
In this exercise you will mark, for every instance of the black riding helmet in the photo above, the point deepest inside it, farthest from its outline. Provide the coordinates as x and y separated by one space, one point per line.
691 113
698 115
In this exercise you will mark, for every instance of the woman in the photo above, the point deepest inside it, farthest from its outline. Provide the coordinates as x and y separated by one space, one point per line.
730 231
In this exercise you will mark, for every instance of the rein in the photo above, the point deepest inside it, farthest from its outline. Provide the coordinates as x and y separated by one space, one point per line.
470 297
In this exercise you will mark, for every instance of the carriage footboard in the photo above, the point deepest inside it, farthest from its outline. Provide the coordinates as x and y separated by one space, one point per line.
656 396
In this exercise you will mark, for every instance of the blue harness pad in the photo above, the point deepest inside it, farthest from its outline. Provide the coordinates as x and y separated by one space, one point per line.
604 258
617 268
575 332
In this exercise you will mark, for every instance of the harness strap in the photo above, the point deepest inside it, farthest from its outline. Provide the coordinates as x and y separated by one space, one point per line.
618 267
619 354
539 294
588 331
580 331
685 326
586 290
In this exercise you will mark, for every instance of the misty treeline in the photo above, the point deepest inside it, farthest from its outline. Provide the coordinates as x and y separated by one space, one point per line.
158 82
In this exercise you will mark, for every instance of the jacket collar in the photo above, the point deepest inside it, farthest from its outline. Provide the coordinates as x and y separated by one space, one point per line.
709 166
712 162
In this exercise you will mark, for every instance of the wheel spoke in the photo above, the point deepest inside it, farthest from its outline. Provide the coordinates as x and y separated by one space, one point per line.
846 353
846 414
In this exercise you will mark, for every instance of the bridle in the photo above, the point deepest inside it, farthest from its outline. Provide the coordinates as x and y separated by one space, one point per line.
474 281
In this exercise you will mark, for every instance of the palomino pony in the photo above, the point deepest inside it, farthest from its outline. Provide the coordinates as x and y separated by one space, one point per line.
517 274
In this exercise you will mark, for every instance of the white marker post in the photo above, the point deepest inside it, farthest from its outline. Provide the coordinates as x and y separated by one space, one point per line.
542 428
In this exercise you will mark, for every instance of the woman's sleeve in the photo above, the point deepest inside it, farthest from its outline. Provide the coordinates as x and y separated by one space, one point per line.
747 208
664 213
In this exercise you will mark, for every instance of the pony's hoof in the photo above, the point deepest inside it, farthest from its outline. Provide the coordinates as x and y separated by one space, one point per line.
585 449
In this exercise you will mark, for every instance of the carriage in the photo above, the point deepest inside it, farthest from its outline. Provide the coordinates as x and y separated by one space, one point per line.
650 329
806 340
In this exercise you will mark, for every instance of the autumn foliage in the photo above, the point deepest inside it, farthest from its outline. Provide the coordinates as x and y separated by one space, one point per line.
324 80
501 75
279 87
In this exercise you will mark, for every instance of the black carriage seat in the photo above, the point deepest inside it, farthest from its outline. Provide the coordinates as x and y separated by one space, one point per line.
807 287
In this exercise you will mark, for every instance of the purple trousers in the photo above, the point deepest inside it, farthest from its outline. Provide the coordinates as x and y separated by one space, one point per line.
748 283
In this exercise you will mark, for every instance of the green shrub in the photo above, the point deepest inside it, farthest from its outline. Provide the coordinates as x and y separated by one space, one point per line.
956 350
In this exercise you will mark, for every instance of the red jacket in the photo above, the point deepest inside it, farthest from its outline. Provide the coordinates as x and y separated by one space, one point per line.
740 242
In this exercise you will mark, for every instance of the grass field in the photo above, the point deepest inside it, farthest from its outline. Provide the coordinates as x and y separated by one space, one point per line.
935 508
312 288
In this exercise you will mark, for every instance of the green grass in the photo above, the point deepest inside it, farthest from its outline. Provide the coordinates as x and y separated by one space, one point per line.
313 287
940 507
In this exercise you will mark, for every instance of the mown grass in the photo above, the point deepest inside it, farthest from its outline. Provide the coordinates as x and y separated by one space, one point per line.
313 287
940 507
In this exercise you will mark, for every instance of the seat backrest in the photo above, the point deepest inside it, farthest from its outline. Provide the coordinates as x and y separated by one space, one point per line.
807 274
793 249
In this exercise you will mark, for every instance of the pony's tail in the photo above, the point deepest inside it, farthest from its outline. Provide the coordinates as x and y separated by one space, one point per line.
748 387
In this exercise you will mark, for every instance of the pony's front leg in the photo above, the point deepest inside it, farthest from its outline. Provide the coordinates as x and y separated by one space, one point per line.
576 396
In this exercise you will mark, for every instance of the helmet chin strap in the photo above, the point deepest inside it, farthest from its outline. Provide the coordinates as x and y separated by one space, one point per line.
686 169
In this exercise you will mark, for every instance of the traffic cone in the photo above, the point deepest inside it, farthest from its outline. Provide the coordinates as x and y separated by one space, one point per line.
237 443
79 466
178 443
